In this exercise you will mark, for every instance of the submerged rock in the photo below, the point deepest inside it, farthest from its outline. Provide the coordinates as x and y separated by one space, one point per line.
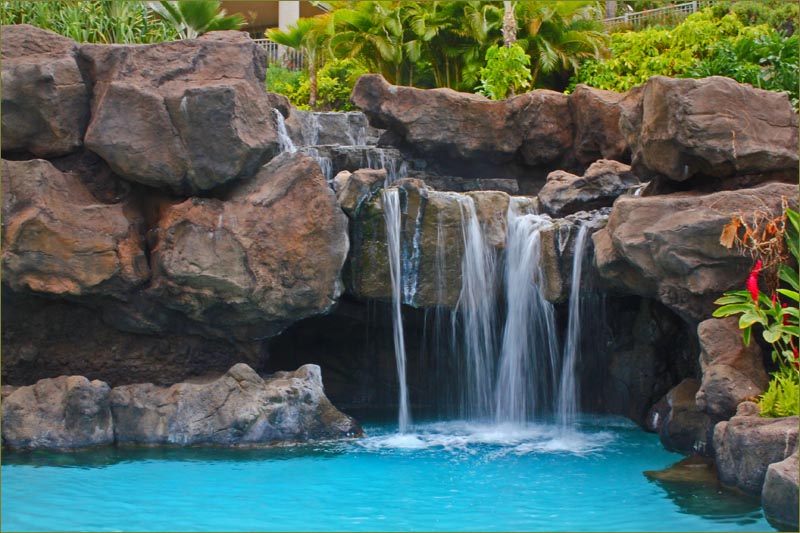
45 100
238 408
185 115
779 496
746 445
62 413
711 128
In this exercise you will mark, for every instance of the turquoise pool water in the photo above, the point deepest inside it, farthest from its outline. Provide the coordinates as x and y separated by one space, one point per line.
450 476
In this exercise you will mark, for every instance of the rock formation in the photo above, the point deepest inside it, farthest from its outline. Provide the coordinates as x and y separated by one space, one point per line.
196 117
45 99
600 185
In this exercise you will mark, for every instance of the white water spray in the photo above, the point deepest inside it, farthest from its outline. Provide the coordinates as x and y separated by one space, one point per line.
284 141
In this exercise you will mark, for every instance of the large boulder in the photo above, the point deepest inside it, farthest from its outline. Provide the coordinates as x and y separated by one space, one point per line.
59 240
238 408
747 444
184 115
45 100
63 413
271 253
732 372
442 124
596 114
710 128
667 247
600 185
779 495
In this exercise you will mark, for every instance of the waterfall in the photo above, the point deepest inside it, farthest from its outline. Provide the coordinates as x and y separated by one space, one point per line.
391 212
477 310
325 163
396 168
567 406
529 354
284 141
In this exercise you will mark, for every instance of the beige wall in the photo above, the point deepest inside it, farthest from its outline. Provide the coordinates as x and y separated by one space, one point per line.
262 15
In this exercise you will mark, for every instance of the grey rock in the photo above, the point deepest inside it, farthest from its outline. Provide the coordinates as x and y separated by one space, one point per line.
732 371
238 408
600 185
354 188
747 444
196 109
680 425
45 100
779 495
62 413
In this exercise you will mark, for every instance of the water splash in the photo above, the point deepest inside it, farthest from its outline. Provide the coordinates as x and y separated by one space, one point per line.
284 141
391 213
567 406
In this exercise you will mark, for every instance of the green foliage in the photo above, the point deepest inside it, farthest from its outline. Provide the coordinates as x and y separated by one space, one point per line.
336 80
779 322
106 21
506 71
702 45
767 61
782 397
778 14
192 18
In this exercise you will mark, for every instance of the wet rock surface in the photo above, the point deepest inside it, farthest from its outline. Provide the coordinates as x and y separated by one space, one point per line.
779 495
680 425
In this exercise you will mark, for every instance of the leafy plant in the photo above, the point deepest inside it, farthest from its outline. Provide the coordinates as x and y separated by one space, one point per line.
192 18
774 241
106 21
335 83
506 71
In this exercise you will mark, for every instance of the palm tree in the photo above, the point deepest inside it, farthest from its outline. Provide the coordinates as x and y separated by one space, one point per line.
192 18
560 35
311 36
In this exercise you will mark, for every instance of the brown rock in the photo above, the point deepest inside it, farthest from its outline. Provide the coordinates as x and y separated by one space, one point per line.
680 425
62 413
354 188
596 114
45 100
238 408
58 240
779 496
732 371
185 115
711 127
600 185
442 123
667 247
269 255
746 445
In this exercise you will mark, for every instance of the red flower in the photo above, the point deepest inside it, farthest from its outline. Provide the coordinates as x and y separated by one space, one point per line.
752 281
786 317
795 362
774 297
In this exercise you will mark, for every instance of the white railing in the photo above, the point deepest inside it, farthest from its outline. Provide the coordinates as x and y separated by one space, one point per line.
284 56
659 14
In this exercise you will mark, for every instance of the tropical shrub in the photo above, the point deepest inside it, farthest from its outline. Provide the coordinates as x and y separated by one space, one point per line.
192 18
335 83
105 21
774 242
506 71
702 45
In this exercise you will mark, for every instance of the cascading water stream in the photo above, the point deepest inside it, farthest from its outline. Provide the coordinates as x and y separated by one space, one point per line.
529 353
284 141
391 212
477 309
567 406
